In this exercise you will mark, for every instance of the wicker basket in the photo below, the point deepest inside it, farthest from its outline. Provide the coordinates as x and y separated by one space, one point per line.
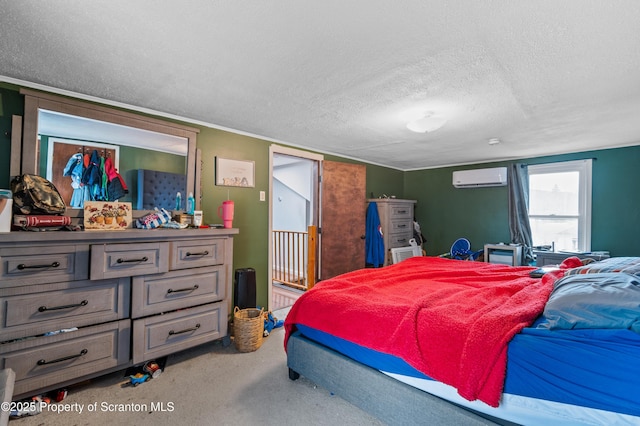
248 326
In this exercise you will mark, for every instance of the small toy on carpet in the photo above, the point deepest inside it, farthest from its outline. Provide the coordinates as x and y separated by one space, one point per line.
270 322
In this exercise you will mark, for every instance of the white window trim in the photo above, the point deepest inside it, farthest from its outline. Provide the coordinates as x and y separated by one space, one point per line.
584 167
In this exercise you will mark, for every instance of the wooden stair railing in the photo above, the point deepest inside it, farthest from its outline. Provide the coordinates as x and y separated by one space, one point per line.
294 258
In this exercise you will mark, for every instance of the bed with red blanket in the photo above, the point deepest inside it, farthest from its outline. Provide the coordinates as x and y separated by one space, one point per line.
449 327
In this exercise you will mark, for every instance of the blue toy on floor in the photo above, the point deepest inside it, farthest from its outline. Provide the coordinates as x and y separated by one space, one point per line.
271 322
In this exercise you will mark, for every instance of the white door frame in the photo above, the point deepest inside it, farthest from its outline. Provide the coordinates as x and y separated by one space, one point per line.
278 149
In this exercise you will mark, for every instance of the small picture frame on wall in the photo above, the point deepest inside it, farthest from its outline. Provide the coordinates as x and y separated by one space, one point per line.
235 173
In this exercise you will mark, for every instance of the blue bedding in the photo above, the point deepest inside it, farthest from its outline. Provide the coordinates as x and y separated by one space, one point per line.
595 368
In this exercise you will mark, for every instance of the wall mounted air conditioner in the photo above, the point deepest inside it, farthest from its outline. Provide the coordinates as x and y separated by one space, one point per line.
496 176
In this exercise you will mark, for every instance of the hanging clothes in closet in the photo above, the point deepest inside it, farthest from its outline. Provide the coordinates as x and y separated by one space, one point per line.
92 177
75 168
103 182
116 187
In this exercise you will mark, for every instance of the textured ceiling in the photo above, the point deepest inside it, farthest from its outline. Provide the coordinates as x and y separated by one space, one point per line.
544 77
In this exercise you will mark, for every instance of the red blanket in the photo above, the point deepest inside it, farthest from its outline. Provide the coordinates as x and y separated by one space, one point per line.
450 319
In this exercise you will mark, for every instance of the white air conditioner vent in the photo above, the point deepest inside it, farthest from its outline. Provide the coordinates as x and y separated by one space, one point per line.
496 176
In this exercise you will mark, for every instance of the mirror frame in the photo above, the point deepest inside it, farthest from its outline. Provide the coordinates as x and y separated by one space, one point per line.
36 100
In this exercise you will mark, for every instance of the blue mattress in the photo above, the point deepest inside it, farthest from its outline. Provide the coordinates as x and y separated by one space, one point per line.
593 368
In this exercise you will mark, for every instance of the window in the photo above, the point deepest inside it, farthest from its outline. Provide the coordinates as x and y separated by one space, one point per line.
560 205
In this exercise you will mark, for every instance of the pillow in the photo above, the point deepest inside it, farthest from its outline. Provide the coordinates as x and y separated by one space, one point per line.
630 265
598 300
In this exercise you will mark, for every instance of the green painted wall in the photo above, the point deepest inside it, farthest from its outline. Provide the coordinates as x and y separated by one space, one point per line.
446 213
251 215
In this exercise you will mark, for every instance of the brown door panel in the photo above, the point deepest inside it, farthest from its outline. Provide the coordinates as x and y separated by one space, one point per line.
343 211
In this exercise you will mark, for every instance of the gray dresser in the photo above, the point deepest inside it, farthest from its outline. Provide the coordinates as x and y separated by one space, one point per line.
396 220
75 305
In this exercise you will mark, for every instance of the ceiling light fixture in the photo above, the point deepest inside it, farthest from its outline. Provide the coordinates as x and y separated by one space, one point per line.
494 141
429 122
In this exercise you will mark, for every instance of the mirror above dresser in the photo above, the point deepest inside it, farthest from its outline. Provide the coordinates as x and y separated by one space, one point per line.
135 141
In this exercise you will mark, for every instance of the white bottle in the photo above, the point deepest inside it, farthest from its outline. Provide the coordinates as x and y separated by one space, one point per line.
191 203
178 202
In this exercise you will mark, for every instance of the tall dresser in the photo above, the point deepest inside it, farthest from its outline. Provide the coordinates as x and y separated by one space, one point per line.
75 305
396 220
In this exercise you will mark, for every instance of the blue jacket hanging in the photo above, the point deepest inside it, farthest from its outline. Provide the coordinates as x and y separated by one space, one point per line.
92 177
75 168
374 243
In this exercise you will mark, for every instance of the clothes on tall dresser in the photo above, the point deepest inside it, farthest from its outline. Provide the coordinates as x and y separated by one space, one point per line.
374 241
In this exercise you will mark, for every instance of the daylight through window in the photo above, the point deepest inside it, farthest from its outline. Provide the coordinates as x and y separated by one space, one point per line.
560 205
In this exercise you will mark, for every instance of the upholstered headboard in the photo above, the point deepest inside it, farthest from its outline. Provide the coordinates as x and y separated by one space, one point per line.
159 189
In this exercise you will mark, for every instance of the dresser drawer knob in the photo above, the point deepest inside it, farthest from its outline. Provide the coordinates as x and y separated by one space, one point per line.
195 287
56 308
203 253
171 332
143 259
51 265
66 358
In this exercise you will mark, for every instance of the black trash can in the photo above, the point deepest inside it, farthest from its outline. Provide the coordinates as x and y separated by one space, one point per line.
244 290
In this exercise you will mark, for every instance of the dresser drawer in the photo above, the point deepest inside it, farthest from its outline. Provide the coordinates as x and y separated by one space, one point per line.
400 239
51 307
126 260
161 335
49 360
193 254
401 211
402 226
37 265
154 294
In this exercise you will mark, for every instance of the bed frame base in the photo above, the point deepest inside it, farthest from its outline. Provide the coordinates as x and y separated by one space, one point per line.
376 393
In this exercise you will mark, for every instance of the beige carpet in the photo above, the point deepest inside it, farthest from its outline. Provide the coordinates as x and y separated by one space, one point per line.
207 385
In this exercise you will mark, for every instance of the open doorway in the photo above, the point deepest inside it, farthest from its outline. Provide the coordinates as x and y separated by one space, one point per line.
293 220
